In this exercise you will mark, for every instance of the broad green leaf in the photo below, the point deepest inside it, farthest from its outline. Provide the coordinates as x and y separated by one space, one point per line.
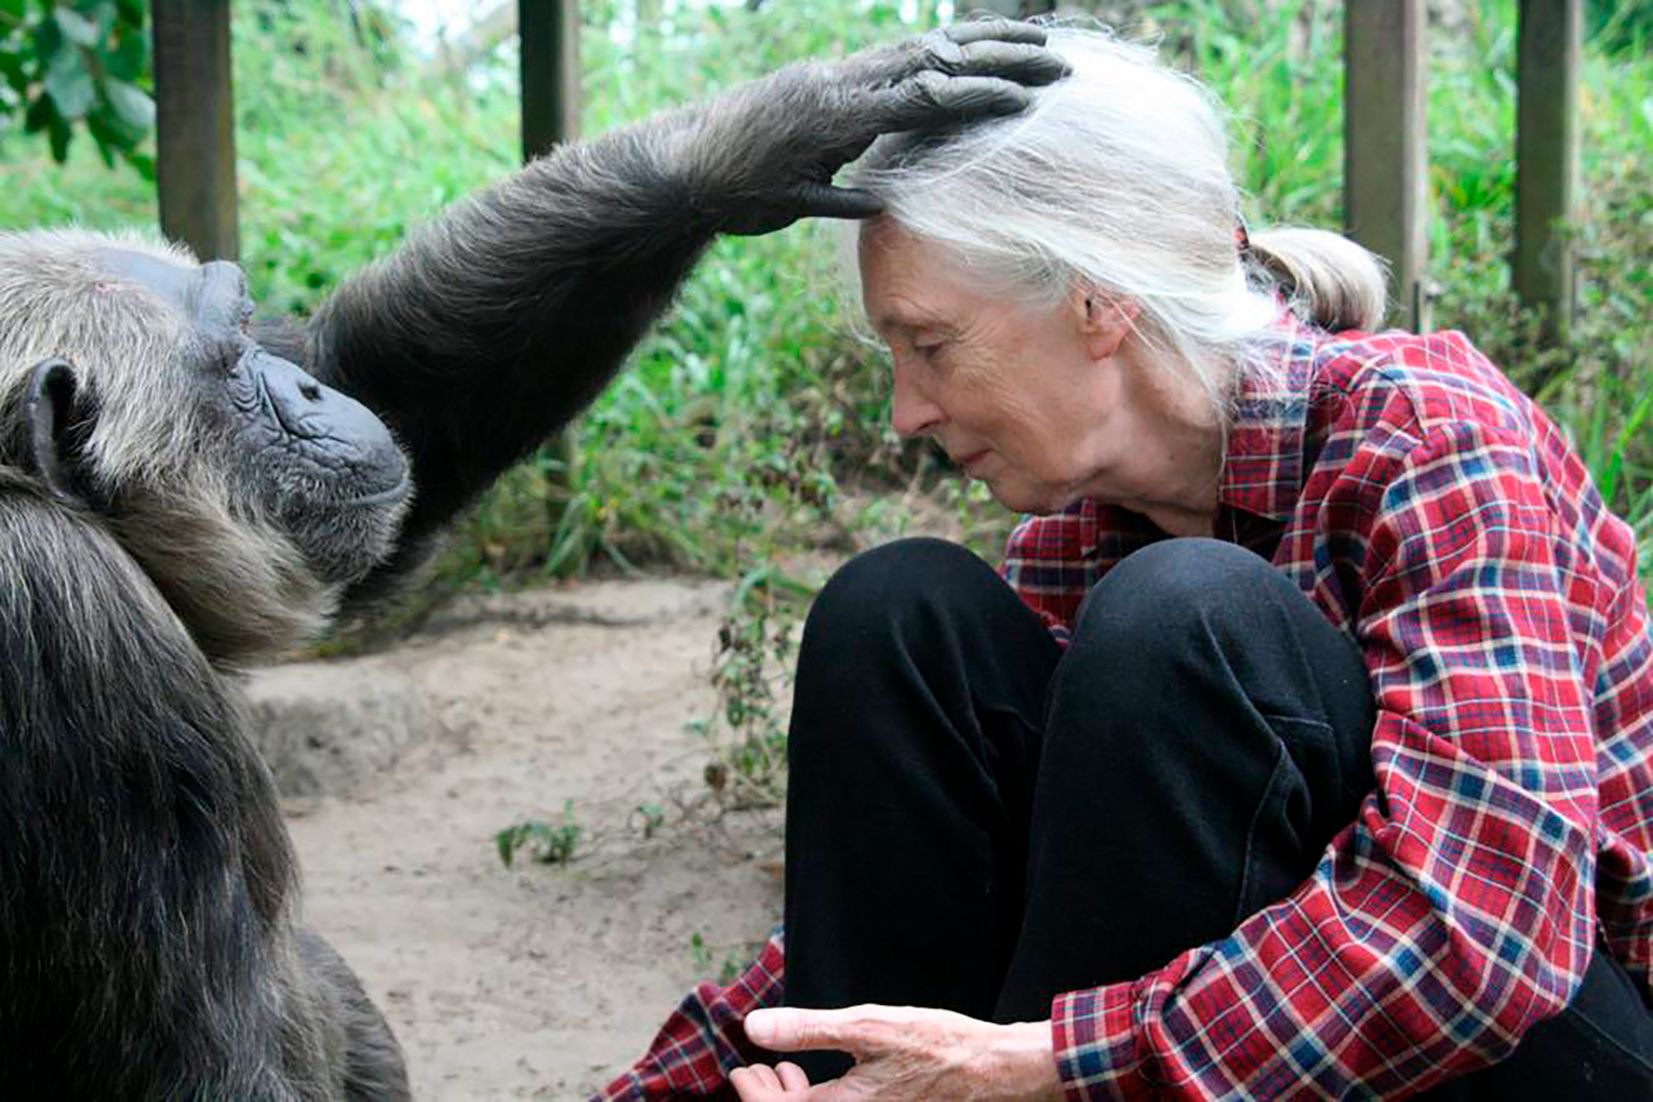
14 70
48 40
100 12
131 104
70 84
129 60
59 133
39 115
101 139
76 27
112 133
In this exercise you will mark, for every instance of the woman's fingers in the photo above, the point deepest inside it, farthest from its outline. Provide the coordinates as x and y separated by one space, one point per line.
749 1084
859 1030
762 1083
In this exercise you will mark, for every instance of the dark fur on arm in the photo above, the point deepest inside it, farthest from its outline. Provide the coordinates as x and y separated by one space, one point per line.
500 321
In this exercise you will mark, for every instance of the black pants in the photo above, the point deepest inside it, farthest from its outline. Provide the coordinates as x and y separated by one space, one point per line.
977 821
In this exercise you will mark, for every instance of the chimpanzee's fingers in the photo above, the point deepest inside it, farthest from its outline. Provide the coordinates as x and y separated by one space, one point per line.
933 99
957 50
825 201
1020 62
1002 30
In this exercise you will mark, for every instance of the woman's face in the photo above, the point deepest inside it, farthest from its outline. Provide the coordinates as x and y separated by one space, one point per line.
1044 404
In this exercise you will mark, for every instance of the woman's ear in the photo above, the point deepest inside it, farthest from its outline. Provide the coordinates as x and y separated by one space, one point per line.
1105 320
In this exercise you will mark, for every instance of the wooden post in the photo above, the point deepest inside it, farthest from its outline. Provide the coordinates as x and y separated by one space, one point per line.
550 32
1014 9
550 40
1385 146
1547 165
195 126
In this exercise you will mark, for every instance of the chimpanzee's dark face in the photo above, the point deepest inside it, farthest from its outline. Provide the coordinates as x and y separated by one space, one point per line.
314 459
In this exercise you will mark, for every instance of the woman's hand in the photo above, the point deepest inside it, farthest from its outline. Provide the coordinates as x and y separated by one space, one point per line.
902 1054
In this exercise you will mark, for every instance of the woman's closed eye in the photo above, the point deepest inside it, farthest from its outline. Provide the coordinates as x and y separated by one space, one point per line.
929 345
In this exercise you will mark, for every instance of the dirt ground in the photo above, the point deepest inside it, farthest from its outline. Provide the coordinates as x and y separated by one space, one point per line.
540 981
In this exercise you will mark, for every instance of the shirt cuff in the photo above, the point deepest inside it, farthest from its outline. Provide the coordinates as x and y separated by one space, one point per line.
1098 1054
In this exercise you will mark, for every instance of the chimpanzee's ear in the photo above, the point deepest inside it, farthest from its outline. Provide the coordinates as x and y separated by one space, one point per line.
54 451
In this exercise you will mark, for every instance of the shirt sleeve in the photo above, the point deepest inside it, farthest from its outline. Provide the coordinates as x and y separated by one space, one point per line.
703 1040
1456 911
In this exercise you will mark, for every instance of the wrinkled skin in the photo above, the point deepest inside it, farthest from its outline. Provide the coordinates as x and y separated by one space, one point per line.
315 458
902 1054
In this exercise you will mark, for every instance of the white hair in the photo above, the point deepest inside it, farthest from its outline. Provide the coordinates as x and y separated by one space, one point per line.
1117 179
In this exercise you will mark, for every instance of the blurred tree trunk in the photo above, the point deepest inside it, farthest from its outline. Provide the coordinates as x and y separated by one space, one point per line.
1017 9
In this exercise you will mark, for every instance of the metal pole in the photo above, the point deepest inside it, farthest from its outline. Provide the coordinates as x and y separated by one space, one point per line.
1547 159
1385 151
195 126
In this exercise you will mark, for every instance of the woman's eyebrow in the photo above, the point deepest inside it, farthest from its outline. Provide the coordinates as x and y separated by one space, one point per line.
910 323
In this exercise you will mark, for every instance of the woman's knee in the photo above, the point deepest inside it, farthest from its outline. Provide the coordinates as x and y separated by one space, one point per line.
1186 610
869 599
1158 595
913 632
1191 637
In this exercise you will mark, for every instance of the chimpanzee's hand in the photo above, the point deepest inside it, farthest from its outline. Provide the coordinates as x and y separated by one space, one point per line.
764 155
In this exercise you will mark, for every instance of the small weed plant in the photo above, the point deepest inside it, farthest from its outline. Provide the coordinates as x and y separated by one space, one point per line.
543 842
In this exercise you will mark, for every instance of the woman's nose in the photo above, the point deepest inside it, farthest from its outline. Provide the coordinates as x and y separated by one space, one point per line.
912 413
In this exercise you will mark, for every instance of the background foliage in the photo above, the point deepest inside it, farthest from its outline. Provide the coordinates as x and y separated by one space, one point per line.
79 65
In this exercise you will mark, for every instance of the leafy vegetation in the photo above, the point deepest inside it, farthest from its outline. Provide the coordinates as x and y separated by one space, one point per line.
78 64
543 842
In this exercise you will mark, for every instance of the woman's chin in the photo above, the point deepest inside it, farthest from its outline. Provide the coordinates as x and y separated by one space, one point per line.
1020 497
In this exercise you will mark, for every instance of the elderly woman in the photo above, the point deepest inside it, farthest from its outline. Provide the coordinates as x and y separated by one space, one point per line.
1303 744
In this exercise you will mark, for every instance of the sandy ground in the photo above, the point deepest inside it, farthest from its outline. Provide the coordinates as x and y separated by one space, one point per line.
537 981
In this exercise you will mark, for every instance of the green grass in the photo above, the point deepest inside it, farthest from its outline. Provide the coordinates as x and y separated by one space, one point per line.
740 416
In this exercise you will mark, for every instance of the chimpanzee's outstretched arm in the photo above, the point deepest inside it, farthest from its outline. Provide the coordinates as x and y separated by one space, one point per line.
499 321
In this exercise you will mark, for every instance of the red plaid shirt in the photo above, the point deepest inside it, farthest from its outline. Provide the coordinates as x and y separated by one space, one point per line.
1431 511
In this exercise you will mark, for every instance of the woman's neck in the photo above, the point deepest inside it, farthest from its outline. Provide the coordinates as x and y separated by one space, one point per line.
1178 454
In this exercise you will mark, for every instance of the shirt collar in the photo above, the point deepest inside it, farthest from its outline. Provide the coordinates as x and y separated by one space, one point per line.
1263 463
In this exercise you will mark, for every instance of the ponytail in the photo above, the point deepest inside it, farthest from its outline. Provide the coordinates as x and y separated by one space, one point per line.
1328 279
